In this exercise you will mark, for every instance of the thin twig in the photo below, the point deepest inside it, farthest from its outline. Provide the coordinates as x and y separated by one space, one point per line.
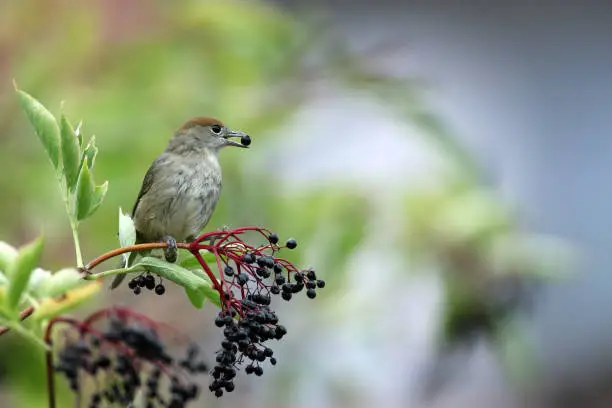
25 313
49 365
131 248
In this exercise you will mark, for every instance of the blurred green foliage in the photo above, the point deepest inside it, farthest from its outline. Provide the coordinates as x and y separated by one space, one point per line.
135 70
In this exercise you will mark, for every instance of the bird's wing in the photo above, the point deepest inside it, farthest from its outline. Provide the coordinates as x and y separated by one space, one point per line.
147 182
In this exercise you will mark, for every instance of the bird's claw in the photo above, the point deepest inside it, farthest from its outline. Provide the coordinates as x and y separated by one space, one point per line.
170 252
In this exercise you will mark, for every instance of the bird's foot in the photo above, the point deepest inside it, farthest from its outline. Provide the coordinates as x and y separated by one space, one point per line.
170 252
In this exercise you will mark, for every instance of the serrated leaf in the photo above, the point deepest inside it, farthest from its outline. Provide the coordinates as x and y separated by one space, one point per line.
192 282
84 192
97 197
20 270
70 153
191 261
90 153
60 283
51 307
7 254
44 124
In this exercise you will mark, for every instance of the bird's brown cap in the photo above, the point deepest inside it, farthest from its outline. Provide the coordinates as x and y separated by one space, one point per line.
201 121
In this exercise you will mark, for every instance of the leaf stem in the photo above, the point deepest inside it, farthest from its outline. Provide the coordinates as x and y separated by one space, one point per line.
77 244
112 272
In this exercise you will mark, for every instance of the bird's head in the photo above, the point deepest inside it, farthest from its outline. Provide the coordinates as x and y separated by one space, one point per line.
206 133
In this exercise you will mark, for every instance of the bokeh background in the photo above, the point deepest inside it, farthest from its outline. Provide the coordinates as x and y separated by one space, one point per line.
444 165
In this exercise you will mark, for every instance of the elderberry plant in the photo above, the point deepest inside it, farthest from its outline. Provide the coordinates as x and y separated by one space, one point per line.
120 354
247 277
117 356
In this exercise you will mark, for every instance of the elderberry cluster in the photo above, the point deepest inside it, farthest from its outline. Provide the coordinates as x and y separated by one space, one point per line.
146 281
243 340
127 357
249 281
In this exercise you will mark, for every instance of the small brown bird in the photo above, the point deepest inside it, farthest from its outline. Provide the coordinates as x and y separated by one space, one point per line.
181 188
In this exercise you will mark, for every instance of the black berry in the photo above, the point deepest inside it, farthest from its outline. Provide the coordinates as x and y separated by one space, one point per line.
248 258
243 278
245 140
291 243
149 282
229 271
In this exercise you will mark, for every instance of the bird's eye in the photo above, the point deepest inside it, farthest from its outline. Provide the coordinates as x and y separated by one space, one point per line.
216 129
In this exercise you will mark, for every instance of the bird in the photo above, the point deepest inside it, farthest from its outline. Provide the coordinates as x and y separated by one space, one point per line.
181 188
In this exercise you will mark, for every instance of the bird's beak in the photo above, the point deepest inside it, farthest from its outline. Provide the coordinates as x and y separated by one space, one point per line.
234 133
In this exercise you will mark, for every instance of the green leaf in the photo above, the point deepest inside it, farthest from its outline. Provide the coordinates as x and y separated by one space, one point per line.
127 233
44 124
51 307
20 271
37 278
70 153
191 262
27 333
60 282
196 297
7 255
84 193
79 134
98 196
209 292
90 153
193 282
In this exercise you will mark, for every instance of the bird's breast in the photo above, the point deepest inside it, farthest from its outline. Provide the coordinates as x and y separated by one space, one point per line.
184 203
196 198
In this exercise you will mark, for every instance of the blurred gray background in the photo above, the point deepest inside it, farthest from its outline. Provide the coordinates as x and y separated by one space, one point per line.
528 86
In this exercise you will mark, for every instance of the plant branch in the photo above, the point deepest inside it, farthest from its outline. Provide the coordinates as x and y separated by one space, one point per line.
119 251
111 272
49 356
50 377
193 247
25 313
